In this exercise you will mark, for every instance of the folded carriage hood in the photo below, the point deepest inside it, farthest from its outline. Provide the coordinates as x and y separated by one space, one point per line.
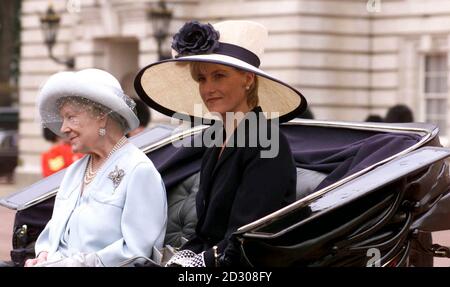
437 204
364 181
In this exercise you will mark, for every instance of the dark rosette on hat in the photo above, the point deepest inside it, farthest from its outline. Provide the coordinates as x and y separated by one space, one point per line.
195 38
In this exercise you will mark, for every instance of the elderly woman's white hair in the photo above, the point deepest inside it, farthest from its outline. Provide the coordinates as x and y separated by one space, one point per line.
91 87
95 109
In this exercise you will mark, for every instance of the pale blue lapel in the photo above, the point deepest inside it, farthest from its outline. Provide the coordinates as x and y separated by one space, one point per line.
73 187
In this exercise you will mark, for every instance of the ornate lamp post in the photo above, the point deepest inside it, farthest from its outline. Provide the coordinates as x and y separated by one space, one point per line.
50 24
160 16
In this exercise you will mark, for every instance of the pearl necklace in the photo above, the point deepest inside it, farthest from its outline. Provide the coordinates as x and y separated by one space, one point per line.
90 173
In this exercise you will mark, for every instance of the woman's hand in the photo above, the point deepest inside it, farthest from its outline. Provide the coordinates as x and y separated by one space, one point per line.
42 257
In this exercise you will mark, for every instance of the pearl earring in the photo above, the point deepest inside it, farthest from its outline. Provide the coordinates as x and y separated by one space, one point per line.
102 132
247 88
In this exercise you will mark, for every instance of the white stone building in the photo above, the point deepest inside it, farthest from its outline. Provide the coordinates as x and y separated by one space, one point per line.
350 58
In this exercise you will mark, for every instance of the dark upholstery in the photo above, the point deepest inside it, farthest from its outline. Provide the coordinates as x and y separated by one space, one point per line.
181 207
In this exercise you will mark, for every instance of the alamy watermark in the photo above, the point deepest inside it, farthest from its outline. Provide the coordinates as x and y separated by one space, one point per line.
249 130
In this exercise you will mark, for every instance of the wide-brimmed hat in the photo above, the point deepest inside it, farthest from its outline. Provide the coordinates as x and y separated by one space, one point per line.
167 86
92 84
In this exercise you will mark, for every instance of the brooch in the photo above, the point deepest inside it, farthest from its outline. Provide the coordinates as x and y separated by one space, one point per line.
116 176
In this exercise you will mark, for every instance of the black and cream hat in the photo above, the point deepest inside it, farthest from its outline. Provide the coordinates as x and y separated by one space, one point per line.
167 86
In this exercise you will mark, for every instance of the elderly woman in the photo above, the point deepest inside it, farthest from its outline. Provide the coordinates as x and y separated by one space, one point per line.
249 170
111 205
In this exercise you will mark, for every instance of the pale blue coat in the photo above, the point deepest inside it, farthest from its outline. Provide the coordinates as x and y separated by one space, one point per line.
115 223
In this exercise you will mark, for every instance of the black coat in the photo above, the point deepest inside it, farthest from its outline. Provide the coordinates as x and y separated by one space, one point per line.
241 186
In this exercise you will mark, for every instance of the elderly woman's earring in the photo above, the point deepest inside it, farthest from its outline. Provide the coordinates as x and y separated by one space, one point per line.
102 132
247 88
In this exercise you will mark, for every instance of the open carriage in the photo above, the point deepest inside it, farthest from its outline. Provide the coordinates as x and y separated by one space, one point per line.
367 194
